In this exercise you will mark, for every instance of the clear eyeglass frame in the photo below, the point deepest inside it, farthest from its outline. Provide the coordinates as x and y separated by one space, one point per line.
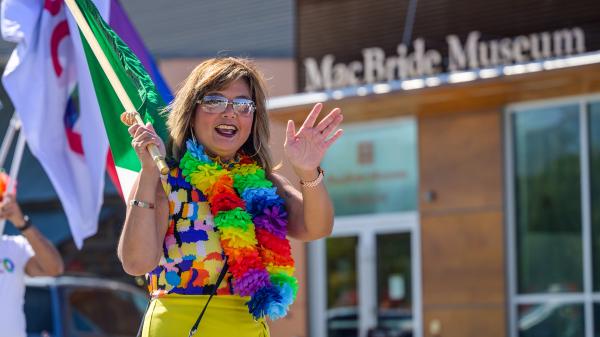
216 104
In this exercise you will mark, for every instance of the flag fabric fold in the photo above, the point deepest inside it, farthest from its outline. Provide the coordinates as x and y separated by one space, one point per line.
137 84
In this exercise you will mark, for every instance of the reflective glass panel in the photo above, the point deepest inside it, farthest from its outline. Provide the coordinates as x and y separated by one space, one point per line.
394 285
548 199
551 319
342 287
373 168
596 319
594 131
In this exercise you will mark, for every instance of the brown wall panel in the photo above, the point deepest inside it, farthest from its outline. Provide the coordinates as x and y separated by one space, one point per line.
466 251
461 161
462 227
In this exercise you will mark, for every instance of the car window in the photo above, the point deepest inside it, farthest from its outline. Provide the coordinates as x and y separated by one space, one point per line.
105 311
38 311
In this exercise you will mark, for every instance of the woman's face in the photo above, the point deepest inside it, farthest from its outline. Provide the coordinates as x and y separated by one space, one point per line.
224 133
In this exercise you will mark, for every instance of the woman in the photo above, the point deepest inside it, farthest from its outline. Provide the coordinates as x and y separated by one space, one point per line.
224 209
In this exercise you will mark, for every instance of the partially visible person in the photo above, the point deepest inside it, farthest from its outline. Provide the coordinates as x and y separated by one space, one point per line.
223 213
27 254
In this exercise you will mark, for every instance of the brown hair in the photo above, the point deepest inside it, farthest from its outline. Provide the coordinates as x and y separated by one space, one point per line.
213 75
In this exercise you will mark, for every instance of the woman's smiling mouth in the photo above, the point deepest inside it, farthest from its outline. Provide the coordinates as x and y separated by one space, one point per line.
226 130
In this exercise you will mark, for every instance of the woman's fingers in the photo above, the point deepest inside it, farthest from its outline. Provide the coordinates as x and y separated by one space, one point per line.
290 131
315 137
132 129
335 136
150 139
144 134
330 118
141 137
141 140
141 130
136 129
330 125
312 117
140 143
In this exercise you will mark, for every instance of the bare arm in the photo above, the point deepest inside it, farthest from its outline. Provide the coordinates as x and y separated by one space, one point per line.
140 244
47 260
310 210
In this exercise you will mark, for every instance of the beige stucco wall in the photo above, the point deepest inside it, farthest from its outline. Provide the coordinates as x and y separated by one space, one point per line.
280 73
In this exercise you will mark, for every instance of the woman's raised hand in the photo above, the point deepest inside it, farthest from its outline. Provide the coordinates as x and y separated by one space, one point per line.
306 147
142 136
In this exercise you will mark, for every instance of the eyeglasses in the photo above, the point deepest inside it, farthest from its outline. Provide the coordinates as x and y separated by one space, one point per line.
215 104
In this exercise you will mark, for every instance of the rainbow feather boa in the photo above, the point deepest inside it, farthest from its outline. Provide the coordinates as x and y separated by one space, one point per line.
252 223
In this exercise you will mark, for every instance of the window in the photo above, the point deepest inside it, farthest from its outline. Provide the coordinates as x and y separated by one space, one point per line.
342 290
394 284
548 199
553 189
594 118
379 173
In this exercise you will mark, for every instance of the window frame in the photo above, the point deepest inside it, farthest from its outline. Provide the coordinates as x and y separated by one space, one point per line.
353 225
587 297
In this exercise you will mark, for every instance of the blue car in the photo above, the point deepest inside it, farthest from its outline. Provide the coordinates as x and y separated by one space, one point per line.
68 306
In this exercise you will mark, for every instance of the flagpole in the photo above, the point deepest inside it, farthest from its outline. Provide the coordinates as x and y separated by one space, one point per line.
14 169
13 126
113 79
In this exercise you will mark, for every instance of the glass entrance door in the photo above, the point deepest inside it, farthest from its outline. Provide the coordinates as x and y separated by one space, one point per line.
394 286
342 286
365 279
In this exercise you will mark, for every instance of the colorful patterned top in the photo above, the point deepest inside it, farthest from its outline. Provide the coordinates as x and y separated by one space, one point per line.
192 254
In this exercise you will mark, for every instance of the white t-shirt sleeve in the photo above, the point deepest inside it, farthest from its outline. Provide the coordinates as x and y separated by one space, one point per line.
15 251
24 247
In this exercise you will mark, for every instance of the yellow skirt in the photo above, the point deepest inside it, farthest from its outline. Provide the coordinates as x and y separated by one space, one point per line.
226 315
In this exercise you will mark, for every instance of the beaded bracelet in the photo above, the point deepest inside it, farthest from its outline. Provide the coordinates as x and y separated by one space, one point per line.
316 182
141 204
